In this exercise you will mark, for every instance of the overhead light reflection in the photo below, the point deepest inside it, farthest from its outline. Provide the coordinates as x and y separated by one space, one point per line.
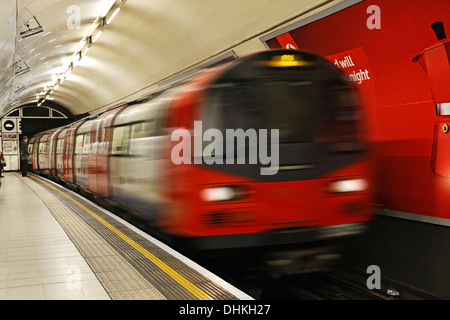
96 30
97 36
113 16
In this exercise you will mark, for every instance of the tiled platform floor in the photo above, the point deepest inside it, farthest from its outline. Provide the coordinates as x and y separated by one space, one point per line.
38 261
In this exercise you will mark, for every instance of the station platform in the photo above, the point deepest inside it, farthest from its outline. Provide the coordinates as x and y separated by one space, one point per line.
57 245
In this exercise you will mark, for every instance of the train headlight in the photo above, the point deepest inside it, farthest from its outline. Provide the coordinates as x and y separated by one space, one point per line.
348 185
218 194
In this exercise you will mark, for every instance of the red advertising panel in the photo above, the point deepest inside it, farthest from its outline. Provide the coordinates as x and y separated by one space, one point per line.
354 63
390 51
287 42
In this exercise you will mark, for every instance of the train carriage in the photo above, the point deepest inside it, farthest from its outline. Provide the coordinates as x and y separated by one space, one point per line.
59 152
31 152
135 157
68 152
323 177
52 152
299 174
81 154
99 177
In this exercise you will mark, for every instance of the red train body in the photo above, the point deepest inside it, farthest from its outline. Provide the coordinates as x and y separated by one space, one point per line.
322 188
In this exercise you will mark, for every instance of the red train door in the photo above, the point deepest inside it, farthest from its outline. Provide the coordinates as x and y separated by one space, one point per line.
69 143
104 137
36 152
92 159
51 147
66 175
102 159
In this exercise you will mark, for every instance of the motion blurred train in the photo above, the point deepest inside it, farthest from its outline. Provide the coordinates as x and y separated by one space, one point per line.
319 192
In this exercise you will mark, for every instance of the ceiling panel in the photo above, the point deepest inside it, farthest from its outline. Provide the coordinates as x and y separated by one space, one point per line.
147 41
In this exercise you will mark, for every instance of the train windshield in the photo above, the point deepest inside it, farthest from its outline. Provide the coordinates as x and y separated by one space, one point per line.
303 110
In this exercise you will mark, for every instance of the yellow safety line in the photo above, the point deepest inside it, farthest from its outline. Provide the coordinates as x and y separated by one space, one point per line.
163 266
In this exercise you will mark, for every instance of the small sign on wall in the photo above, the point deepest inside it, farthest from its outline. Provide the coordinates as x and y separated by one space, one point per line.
10 131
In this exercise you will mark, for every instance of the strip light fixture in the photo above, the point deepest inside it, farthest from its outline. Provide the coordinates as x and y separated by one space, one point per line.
30 28
105 18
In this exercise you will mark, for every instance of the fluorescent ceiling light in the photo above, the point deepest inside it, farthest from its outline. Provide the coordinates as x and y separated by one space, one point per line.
31 32
97 36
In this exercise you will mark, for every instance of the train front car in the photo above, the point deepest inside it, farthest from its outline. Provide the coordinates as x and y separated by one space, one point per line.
268 152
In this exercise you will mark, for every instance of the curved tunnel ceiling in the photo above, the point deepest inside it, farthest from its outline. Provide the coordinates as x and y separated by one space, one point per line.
146 42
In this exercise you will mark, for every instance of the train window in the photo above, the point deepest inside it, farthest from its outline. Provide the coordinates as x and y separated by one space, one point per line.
149 128
42 147
30 148
86 143
142 130
60 146
137 131
291 105
79 144
121 140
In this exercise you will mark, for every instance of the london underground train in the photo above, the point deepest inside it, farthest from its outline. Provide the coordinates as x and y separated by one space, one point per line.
265 151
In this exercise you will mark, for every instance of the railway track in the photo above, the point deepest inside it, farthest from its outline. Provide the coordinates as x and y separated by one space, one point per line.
317 286
338 285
